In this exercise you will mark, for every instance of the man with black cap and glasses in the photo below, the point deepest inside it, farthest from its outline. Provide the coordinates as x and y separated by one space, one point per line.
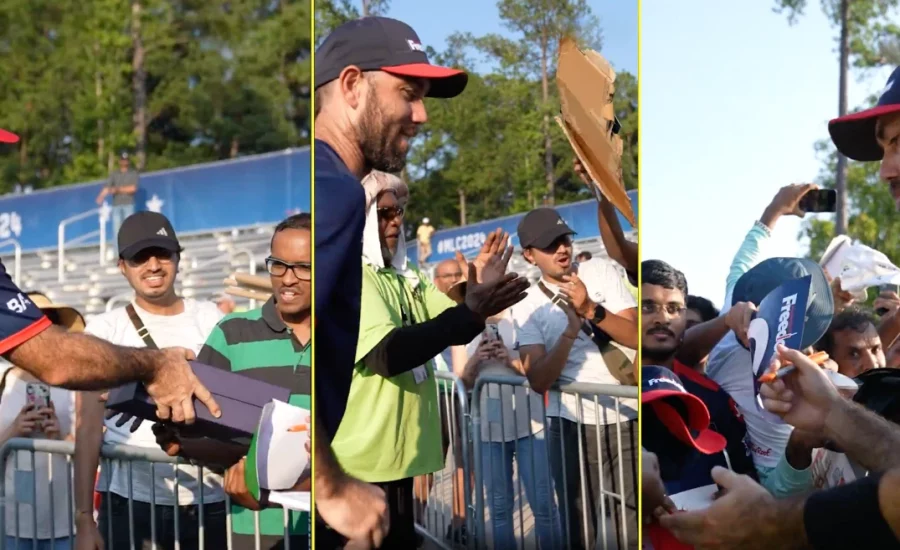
372 76
569 329
82 362
868 509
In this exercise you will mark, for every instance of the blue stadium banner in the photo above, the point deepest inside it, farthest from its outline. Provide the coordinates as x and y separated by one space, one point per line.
580 216
220 195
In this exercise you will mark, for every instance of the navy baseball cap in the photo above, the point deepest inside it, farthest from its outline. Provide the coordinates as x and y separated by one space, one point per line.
854 134
540 227
682 413
766 276
384 44
8 137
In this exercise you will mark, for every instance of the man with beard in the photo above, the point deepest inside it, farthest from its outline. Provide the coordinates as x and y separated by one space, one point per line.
748 517
559 342
371 77
81 362
391 433
664 319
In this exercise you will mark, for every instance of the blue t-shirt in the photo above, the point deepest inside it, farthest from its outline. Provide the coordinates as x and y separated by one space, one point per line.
340 217
20 318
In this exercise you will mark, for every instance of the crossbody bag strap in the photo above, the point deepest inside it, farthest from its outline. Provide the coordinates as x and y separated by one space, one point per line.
139 327
3 380
619 365
554 298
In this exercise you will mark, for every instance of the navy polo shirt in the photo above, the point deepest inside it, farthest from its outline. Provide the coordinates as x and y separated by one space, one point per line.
339 220
20 318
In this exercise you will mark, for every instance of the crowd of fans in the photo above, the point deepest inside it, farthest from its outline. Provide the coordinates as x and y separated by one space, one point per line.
112 504
385 422
719 471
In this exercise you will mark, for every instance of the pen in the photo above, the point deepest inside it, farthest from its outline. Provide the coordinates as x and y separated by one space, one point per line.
818 358
298 428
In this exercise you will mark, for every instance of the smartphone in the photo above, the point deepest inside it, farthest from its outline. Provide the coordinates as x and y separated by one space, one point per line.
37 395
491 332
886 288
819 200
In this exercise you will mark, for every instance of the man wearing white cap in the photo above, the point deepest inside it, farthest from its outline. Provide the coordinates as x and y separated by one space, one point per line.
424 234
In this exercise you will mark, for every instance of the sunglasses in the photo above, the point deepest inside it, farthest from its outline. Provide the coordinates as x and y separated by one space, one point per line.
277 268
388 214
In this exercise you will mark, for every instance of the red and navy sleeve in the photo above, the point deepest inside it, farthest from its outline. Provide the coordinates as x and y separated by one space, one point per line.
20 319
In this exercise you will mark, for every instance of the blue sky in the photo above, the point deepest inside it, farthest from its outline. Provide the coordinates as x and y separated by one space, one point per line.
731 105
618 21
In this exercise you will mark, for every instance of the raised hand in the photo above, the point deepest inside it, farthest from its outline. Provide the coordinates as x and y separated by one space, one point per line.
498 291
738 320
493 257
494 245
577 294
174 386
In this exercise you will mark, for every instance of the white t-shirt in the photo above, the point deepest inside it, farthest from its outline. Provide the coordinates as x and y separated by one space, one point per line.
508 412
188 330
730 366
538 321
47 472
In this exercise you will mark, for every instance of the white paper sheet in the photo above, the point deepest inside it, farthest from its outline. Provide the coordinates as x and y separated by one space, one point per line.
695 499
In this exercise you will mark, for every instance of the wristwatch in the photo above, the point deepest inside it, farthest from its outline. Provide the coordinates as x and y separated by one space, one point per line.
599 314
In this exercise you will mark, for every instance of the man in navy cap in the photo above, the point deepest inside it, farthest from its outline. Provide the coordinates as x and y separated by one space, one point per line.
372 76
82 362
748 516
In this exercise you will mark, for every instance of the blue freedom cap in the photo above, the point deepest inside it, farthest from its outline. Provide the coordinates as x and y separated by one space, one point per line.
758 282
854 134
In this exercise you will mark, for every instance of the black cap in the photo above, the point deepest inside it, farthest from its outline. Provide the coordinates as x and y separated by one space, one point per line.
384 44
539 228
146 230
854 134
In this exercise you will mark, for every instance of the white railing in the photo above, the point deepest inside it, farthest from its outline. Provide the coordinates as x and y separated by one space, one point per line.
17 265
102 214
251 258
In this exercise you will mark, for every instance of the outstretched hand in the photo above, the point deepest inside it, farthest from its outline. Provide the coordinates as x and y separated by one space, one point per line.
174 386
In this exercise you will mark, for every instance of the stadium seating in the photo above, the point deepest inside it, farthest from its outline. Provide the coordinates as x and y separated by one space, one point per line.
90 287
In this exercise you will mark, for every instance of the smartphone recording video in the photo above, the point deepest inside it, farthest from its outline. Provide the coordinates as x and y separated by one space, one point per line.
819 200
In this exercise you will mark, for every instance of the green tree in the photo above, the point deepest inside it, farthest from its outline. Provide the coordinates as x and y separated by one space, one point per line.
864 28
208 80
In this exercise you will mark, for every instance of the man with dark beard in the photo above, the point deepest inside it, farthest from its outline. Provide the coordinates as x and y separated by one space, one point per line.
664 319
371 77
390 432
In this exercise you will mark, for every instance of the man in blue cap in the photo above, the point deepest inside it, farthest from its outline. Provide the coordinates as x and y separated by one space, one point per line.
862 514
372 76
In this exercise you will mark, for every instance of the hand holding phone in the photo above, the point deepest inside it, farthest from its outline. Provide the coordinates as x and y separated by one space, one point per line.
888 299
819 200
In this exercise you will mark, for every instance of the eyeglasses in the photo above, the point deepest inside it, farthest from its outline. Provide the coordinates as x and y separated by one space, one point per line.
277 268
652 308
391 212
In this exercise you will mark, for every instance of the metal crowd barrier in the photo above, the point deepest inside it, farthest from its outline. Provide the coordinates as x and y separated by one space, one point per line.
23 492
609 520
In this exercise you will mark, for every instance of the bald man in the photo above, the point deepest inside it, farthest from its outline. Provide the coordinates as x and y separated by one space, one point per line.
372 76
446 274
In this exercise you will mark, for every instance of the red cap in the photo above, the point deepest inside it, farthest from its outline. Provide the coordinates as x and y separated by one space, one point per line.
659 385
8 137
854 134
